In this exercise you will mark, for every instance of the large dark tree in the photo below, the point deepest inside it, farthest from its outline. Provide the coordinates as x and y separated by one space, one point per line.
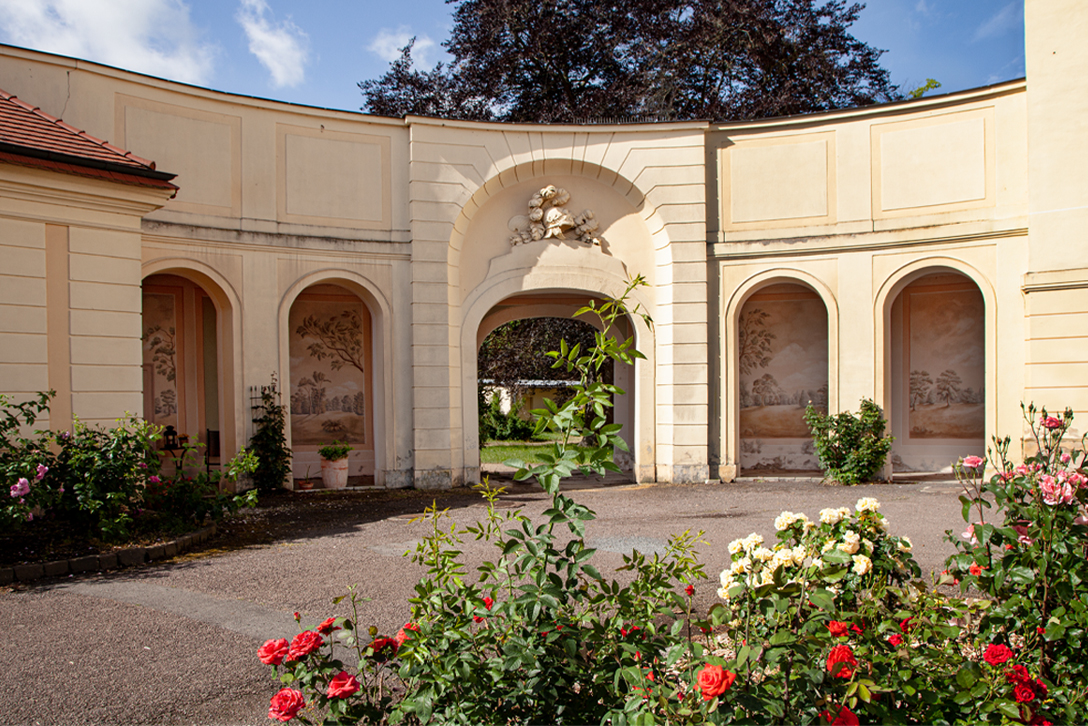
517 352
580 60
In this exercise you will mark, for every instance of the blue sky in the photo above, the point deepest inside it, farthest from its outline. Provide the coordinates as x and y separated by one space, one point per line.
314 52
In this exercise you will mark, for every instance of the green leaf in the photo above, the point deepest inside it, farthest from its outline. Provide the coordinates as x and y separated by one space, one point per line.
965 677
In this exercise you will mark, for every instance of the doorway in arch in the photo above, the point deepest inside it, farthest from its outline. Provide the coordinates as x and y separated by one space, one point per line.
521 320
181 361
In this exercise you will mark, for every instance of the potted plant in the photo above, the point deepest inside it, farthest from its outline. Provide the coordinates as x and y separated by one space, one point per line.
334 464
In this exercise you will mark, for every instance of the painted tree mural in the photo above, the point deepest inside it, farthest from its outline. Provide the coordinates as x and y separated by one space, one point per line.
947 387
920 384
329 367
755 341
338 339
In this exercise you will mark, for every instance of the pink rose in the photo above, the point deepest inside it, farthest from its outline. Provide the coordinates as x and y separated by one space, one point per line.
273 651
343 685
286 704
42 470
304 643
970 534
20 488
1054 491
973 462
1049 422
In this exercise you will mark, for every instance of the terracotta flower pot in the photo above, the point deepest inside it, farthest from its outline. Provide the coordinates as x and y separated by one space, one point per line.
334 473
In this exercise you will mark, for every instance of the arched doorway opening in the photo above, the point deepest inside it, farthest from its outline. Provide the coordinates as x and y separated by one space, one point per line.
561 304
782 365
937 396
185 332
330 389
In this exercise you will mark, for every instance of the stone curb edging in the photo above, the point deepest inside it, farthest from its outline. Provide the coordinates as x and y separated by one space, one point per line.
130 557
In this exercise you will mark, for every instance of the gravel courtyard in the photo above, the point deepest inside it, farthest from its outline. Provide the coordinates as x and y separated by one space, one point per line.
175 642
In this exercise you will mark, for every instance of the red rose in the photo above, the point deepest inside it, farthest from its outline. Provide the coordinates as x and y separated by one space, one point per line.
629 631
895 639
1017 674
327 627
714 680
839 628
488 602
343 685
382 649
905 625
690 590
1024 693
402 634
304 643
273 651
1040 688
857 629
846 717
286 704
841 662
996 654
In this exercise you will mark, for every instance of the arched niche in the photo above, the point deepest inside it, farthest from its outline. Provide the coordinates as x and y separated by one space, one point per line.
189 340
936 367
340 303
782 364
784 288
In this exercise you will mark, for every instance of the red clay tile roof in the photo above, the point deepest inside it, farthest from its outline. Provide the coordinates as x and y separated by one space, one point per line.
31 137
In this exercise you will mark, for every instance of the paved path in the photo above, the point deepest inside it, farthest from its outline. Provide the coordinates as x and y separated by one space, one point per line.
175 643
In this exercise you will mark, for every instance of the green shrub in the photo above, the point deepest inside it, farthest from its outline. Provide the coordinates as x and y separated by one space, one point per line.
852 449
269 441
193 495
104 483
498 426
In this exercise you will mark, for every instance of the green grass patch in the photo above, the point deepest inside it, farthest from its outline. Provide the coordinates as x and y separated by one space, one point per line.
499 453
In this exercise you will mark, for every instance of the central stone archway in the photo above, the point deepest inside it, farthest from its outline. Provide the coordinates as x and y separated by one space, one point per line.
558 290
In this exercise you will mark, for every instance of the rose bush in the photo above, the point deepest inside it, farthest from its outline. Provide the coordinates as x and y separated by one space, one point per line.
105 484
1027 556
830 624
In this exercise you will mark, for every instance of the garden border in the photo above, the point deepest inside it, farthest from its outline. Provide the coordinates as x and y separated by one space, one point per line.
129 557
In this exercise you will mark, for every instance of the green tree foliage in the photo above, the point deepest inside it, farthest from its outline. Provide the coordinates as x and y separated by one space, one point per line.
517 352
572 60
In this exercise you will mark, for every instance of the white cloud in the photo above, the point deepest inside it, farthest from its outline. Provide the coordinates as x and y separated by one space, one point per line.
281 47
923 8
387 45
1005 20
148 36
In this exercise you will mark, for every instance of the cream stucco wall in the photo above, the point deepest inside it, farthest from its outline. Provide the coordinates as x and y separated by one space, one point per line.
412 217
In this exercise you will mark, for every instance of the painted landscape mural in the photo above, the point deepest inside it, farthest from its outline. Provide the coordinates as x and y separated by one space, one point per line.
783 366
330 351
946 358
160 357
